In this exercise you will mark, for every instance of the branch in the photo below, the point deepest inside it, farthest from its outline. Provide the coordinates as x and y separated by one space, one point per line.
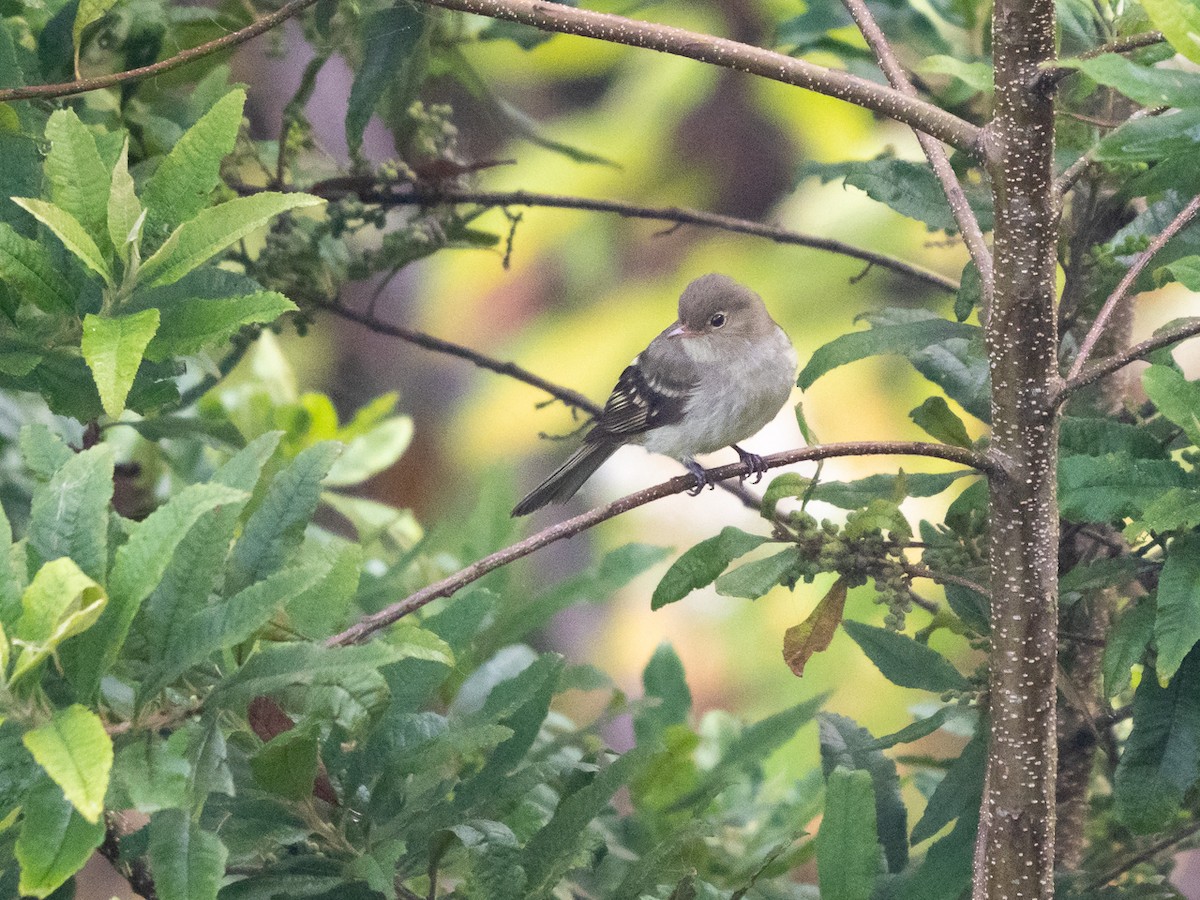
1049 77
964 216
375 622
83 85
423 195
1143 855
1104 367
729 54
915 571
1122 290
438 345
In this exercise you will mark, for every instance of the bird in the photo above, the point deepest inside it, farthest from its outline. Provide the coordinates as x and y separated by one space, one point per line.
712 378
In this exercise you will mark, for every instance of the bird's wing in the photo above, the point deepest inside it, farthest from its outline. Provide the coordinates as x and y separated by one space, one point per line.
646 399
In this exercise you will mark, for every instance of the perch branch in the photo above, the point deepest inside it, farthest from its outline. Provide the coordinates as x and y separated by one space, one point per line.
729 54
1104 367
964 216
1121 292
375 622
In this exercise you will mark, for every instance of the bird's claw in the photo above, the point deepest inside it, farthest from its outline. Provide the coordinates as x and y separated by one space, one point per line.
758 465
701 477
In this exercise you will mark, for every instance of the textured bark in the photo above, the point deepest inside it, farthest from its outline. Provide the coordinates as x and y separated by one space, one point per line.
1015 847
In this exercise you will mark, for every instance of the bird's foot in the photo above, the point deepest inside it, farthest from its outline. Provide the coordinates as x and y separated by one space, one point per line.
701 477
758 465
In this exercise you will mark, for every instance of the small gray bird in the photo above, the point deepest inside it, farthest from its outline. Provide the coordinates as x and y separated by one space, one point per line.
713 378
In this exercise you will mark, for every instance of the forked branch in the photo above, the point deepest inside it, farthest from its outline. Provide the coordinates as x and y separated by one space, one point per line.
1103 367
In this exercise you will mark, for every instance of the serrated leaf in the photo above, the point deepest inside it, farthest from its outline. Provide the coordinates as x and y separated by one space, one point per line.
936 419
1114 486
193 325
701 565
1151 138
848 856
212 230
1186 271
1161 759
1127 644
125 214
154 772
846 745
137 569
25 267
753 579
113 348
69 515
77 177
68 230
1177 623
1176 398
970 292
55 841
903 661
390 37
858 494
958 793
789 484
287 764
1150 86
368 454
663 680
77 754
904 338
59 603
801 642
187 862
185 179
1179 20
88 12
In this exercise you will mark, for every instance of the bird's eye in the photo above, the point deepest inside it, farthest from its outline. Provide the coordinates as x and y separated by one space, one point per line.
717 320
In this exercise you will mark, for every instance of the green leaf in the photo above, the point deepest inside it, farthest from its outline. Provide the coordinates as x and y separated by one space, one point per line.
789 484
1179 20
1161 760
493 855
113 348
958 793
1114 486
68 230
914 732
978 76
663 680
1096 437
242 470
911 189
903 661
77 754
390 41
125 217
1151 138
1176 398
277 526
187 862
1177 624
1126 645
756 578
194 325
368 454
813 635
212 230
936 419
287 764
551 852
138 568
701 565
847 746
858 494
184 181
88 12
848 858
905 339
25 266
1148 85
945 872
970 293
1186 271
154 772
55 841
59 603
69 515
77 177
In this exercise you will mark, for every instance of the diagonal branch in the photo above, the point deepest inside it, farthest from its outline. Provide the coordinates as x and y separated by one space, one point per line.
1121 292
1098 370
964 216
83 85
369 625
730 54
425 195
1051 76
439 345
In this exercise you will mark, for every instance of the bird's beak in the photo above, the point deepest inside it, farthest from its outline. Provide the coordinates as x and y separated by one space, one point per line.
681 330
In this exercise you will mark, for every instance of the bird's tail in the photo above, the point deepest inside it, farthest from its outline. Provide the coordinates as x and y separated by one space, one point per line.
567 478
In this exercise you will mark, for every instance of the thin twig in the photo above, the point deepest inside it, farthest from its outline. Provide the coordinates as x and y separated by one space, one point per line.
375 622
83 85
407 194
1143 855
440 345
960 208
729 54
946 578
1098 370
1047 78
1072 173
1122 290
